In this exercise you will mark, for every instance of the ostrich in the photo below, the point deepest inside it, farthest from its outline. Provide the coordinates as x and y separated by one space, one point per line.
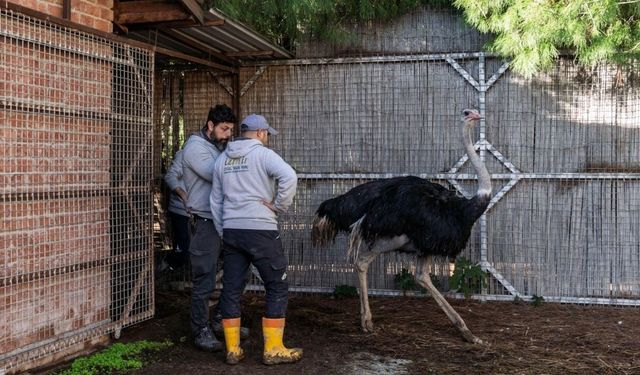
406 214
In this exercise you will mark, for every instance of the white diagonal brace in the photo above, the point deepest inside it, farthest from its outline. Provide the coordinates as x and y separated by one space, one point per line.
256 273
496 76
252 80
463 72
489 268
463 160
498 155
221 83
505 189
458 187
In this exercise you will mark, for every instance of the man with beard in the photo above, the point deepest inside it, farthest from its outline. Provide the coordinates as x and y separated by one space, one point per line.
200 153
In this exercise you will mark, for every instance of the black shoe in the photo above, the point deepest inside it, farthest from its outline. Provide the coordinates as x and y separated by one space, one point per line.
219 331
207 341
163 265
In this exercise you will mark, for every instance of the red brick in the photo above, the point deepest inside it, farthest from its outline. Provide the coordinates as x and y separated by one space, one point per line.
31 4
106 14
55 10
105 3
103 25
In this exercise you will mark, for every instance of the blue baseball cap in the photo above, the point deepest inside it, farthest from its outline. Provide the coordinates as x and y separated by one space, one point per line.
256 122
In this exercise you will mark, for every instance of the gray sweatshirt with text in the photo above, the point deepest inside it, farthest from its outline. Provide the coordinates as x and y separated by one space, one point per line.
246 174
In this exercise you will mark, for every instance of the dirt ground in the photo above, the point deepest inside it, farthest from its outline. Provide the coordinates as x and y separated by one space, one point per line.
412 336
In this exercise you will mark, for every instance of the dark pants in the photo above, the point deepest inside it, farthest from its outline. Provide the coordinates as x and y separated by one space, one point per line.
263 248
181 240
204 252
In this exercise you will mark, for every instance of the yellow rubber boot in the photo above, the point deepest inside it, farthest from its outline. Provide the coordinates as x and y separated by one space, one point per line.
274 350
231 329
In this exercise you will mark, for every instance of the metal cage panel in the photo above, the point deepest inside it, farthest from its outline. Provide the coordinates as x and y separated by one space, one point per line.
75 119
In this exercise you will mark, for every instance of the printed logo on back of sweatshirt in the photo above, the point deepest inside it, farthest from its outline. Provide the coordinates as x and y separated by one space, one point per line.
236 165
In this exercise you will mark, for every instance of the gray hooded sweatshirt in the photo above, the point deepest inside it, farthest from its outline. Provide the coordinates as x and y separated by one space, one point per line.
173 178
198 158
246 174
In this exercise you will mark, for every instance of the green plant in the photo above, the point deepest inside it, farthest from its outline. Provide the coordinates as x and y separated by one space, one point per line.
468 277
517 300
345 291
537 300
117 358
405 281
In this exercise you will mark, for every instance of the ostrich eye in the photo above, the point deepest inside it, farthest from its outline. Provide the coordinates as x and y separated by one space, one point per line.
466 112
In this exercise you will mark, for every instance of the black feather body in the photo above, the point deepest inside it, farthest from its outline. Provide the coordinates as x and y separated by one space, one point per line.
436 220
347 208
339 213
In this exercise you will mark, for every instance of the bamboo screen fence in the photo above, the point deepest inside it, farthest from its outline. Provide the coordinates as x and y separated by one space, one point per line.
75 172
563 150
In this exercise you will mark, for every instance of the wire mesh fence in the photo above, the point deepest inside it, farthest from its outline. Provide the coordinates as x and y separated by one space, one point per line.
562 149
76 212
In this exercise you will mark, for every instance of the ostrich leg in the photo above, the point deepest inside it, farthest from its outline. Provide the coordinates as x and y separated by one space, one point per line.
362 264
424 280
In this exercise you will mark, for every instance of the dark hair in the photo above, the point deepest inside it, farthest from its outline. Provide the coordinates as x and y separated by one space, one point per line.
221 113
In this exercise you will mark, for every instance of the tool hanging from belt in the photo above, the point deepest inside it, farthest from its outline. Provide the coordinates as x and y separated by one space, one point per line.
193 219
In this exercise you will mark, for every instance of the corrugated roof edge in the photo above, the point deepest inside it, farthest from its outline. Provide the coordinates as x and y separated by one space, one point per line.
248 32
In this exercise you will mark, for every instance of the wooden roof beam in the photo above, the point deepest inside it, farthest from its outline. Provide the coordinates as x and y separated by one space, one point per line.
176 24
195 9
193 43
66 9
249 53
197 60
145 11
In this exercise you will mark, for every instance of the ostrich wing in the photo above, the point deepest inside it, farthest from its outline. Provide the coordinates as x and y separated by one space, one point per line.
436 220
347 208
339 213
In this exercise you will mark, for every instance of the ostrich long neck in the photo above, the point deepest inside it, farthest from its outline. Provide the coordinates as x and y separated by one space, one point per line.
484 180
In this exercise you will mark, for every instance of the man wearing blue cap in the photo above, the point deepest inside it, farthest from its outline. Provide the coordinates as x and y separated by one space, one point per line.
251 186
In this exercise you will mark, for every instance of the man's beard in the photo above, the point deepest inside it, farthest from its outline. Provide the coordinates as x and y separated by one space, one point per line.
221 144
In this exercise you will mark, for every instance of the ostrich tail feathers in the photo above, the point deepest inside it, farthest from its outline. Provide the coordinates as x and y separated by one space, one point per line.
323 231
355 241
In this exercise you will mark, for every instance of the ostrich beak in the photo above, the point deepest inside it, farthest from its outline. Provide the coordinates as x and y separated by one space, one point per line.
474 116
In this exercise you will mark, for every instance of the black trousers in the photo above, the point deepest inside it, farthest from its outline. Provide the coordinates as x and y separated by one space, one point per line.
181 240
204 251
263 249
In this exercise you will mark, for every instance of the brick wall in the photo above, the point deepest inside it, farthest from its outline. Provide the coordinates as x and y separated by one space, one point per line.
55 175
97 14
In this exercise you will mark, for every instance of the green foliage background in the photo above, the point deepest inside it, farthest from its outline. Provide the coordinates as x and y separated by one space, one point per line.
533 33
285 21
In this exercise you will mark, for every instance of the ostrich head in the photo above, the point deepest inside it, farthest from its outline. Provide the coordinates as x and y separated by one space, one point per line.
471 115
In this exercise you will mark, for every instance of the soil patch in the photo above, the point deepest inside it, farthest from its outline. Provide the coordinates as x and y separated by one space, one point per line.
412 336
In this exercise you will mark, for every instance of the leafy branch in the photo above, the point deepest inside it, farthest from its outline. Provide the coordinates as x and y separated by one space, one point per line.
468 278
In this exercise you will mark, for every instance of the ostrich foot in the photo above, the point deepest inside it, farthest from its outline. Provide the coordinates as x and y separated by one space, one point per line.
470 337
475 340
367 325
